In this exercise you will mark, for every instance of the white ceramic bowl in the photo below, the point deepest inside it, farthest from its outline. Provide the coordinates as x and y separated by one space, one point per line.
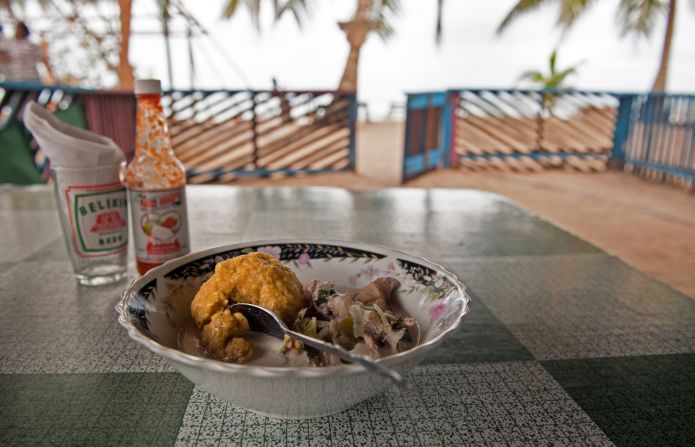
155 306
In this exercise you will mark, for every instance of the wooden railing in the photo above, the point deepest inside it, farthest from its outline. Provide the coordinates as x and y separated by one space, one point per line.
494 128
222 135
219 135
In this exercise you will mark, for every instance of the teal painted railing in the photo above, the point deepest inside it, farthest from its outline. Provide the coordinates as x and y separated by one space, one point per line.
511 129
655 134
489 128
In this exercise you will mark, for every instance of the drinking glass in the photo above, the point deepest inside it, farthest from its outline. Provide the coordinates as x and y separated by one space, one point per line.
93 212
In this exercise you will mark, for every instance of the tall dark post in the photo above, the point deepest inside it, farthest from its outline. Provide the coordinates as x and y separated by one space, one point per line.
191 59
167 44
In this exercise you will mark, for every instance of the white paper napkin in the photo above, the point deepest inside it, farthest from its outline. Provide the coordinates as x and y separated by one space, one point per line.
69 146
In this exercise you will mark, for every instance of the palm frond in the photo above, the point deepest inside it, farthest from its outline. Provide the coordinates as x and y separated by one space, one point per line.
230 8
383 12
532 75
253 7
298 8
553 59
438 29
640 16
553 79
522 7
163 6
557 80
570 10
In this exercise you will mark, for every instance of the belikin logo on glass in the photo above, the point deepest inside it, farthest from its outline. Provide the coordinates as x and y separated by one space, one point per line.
99 218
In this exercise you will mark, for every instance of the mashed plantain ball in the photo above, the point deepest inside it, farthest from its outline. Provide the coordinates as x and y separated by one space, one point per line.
223 328
254 278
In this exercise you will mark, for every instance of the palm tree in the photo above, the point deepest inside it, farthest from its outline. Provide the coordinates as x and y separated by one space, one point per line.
554 79
370 16
551 83
123 70
634 16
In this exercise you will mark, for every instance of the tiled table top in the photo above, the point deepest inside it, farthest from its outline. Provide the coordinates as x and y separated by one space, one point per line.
565 345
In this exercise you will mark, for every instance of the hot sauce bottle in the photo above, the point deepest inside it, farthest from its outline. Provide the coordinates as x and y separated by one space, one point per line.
156 182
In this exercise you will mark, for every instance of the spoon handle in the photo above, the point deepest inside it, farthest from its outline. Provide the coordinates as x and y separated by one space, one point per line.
344 354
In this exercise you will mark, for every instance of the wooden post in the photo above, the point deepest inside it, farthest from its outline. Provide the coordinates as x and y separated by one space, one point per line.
254 132
352 122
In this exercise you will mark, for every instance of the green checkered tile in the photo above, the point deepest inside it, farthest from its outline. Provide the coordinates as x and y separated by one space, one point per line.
92 409
637 401
581 306
27 199
53 251
466 240
26 232
55 326
471 224
471 404
482 338
70 376
5 266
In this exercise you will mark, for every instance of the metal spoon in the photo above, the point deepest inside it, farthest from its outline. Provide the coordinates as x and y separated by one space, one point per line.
264 321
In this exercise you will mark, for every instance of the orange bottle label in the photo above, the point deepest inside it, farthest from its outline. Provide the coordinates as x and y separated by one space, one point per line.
160 224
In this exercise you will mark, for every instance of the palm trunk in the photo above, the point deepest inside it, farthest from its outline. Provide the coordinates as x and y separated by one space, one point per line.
660 82
543 114
349 79
540 129
356 31
125 70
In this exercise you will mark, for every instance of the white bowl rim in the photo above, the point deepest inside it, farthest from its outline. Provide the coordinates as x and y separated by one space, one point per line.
279 371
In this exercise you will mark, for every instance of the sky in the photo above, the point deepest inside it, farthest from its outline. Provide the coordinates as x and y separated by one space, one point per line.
470 55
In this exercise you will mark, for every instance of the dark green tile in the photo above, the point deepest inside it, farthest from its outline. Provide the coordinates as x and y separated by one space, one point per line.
92 409
647 400
482 338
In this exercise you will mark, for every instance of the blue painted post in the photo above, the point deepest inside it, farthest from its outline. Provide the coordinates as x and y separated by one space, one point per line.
408 123
450 102
648 113
353 136
422 149
623 123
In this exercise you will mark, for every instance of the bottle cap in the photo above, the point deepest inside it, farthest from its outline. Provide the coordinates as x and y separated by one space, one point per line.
148 86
